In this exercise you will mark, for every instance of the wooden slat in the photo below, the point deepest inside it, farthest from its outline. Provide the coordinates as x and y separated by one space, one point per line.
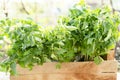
79 76
72 67
70 71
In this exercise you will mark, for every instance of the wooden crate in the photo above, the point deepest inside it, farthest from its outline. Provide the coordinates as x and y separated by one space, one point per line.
107 70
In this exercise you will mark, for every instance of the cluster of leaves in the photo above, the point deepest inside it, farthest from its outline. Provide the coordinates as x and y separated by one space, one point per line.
83 35
96 33
32 44
22 34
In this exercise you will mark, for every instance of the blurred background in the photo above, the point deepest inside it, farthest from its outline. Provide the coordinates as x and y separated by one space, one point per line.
46 12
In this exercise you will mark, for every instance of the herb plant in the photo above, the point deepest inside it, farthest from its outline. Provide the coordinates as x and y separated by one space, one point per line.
96 33
32 44
83 35
23 35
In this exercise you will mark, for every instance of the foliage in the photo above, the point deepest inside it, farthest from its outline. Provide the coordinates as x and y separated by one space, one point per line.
83 35
32 44
22 34
96 31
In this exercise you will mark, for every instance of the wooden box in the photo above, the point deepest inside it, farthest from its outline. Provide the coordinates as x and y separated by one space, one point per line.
107 70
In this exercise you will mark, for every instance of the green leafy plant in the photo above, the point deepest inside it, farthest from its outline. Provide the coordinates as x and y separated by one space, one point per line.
83 35
96 33
23 35
32 44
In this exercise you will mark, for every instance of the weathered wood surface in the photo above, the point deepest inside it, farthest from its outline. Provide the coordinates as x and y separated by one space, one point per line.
111 55
70 71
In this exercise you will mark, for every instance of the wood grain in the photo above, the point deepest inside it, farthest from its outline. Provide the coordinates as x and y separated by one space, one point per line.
111 55
70 71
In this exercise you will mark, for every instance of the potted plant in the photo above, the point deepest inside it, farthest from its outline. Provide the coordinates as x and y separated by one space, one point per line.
94 28
84 35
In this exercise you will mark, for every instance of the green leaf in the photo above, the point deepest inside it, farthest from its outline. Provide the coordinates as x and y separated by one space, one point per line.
98 59
54 56
82 2
13 68
90 40
71 28
58 65
108 35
